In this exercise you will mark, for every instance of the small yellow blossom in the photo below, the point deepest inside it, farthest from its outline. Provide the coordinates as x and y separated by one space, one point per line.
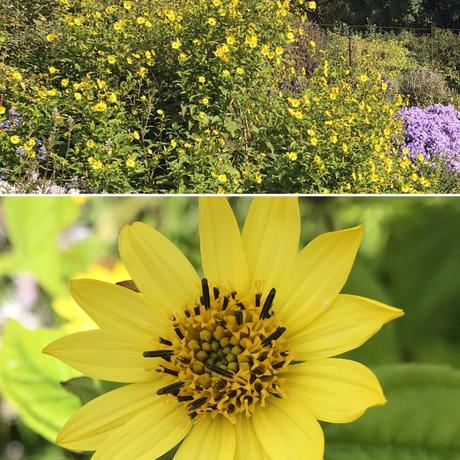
176 44
222 178
135 136
130 162
292 156
15 139
111 59
51 37
100 107
212 22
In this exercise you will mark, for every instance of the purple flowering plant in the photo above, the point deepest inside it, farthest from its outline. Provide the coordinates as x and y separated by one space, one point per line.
434 133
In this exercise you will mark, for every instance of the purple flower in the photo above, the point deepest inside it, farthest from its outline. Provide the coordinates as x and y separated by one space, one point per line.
434 133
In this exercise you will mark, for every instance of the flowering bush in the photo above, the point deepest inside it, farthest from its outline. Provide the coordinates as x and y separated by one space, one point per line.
433 133
191 96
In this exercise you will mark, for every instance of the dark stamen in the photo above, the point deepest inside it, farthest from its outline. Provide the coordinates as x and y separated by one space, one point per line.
184 398
216 293
179 333
170 371
274 335
268 303
197 310
196 404
241 305
219 370
187 313
184 360
165 341
278 365
192 415
158 354
258 296
206 299
239 317
233 294
225 304
170 388
221 322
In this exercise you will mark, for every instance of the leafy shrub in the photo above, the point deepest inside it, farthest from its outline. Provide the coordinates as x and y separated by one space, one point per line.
195 96
424 87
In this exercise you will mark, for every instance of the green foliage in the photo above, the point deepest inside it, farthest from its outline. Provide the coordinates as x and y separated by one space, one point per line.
31 381
198 96
421 420
37 252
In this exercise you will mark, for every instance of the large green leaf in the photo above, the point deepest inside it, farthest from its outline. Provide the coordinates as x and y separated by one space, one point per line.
421 420
31 380
34 225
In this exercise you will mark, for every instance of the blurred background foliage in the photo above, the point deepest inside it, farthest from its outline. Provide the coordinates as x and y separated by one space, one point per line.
410 257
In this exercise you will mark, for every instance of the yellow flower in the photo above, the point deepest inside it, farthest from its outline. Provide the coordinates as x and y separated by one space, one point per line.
130 162
173 143
65 82
112 98
240 71
135 135
77 96
142 72
312 43
290 37
231 40
221 52
52 92
222 178
205 101
251 41
363 78
294 102
16 75
128 4
2 110
314 141
78 21
51 37
15 139
100 107
141 20
191 332
201 79
176 44
292 156
95 164
311 5
258 178
91 144
119 25
111 59
101 84
212 22
160 112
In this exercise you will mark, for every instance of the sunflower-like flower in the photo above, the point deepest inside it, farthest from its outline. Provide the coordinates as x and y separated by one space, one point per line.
235 365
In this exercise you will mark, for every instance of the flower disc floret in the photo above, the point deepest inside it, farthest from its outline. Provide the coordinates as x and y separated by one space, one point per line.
226 352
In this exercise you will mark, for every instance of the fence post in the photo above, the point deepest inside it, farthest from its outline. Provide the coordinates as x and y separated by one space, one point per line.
432 33
350 51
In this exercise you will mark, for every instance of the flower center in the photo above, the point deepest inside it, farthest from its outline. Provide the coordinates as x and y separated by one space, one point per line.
226 353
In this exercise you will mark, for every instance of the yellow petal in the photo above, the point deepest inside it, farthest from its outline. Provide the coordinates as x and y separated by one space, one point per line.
271 238
248 446
149 435
222 255
106 355
161 272
347 323
335 390
317 275
98 419
287 430
209 440
116 307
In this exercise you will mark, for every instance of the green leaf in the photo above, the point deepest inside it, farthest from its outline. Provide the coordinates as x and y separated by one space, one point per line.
82 387
34 226
31 380
421 420
231 126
